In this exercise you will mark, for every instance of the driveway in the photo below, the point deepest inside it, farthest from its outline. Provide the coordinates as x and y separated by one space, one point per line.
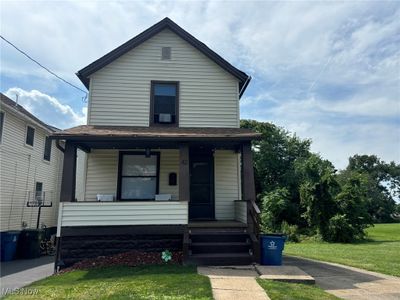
347 282
18 273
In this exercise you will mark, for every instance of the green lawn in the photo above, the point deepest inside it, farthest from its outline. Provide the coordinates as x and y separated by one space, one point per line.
380 253
293 291
150 282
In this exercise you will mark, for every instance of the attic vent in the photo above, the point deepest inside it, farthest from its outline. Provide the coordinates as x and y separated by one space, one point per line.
166 53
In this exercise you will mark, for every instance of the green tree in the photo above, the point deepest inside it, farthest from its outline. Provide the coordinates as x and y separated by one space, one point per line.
382 187
318 189
274 157
352 216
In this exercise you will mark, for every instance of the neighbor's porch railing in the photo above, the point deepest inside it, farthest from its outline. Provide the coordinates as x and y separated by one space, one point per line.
122 213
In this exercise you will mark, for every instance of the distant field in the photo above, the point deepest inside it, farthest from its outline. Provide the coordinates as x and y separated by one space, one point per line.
380 253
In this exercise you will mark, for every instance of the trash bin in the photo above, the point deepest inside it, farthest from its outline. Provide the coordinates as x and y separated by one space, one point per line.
29 243
9 241
271 249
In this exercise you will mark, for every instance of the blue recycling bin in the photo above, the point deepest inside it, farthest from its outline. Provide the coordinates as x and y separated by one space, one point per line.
271 249
9 241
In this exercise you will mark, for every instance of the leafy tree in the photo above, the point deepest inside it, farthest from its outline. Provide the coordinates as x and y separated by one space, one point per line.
274 156
352 215
382 187
301 192
317 192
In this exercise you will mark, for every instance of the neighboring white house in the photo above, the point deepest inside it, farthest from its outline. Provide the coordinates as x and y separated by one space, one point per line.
30 169
163 123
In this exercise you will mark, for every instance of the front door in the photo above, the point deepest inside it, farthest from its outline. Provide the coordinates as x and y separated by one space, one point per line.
201 205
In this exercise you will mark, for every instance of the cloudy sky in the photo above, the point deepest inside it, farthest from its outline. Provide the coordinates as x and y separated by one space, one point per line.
329 71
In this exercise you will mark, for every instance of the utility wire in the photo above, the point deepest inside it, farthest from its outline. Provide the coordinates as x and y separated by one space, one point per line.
40 65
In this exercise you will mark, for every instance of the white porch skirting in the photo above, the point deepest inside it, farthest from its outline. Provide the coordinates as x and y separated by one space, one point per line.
122 213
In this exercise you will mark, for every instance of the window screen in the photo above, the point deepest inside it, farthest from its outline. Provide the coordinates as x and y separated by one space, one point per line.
138 177
30 135
47 149
164 102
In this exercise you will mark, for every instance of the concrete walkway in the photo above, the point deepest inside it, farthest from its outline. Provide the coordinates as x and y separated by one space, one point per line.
18 273
348 282
234 283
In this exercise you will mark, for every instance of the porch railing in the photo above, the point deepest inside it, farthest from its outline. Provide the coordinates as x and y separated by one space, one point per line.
122 213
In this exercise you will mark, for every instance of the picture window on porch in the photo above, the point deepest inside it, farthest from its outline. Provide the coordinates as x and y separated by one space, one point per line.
164 103
138 176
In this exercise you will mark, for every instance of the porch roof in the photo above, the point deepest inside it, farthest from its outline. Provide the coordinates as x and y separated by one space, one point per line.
92 133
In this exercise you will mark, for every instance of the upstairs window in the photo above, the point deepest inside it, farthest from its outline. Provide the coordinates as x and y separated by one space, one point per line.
47 149
30 135
164 103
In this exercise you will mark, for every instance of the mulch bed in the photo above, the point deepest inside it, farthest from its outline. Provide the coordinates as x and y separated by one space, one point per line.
131 259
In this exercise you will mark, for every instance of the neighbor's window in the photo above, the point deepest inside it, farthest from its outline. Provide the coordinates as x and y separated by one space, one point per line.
1 125
47 149
30 135
164 103
138 176
39 195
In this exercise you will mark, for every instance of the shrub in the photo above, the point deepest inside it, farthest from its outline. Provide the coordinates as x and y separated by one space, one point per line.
291 232
341 230
274 205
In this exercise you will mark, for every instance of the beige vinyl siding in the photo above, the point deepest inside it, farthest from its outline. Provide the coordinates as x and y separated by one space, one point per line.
123 213
241 211
169 163
21 167
102 172
120 92
227 183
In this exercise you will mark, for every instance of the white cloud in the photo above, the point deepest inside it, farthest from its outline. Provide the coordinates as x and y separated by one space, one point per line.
47 108
328 70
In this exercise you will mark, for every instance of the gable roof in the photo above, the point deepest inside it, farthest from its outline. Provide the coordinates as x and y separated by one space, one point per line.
166 23
20 109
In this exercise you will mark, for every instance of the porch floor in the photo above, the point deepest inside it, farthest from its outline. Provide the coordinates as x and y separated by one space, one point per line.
216 224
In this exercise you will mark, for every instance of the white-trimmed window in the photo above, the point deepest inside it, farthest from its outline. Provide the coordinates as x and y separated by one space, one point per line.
30 135
138 176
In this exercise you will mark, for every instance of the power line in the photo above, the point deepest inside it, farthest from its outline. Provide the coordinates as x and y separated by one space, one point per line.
40 65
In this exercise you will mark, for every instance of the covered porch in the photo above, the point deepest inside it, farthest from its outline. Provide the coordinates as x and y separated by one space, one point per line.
204 176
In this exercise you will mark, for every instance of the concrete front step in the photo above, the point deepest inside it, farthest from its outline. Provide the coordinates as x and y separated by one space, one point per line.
220 259
284 273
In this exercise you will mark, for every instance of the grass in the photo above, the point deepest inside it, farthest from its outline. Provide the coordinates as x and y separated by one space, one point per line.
379 253
293 291
149 282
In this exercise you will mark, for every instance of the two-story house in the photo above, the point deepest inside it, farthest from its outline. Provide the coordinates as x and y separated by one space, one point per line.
30 169
167 165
